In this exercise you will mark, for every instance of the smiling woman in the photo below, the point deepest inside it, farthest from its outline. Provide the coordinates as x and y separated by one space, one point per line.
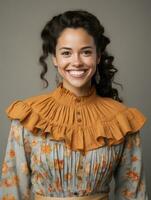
80 28
76 59
70 143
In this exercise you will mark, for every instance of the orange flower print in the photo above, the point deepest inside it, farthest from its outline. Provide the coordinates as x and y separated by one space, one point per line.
128 145
88 187
38 176
14 130
127 194
80 172
8 197
133 175
46 149
12 153
34 143
137 141
4 168
24 168
95 168
40 191
50 189
16 134
57 184
79 176
68 176
134 158
7 183
36 159
15 180
45 174
58 164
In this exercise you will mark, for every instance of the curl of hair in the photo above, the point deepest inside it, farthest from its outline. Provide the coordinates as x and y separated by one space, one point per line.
82 19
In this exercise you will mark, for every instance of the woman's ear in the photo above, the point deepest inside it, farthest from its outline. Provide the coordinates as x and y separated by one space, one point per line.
54 60
98 59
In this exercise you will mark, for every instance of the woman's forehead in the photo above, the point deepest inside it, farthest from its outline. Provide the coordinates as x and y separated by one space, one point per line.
74 37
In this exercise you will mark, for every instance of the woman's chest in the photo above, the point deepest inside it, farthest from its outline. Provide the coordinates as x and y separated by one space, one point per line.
54 157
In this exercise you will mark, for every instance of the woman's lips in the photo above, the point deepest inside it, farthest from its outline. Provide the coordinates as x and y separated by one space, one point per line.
77 73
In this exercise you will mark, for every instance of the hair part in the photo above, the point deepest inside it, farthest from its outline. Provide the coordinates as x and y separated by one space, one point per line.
103 78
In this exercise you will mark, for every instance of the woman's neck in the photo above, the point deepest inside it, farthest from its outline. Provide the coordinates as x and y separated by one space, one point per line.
78 91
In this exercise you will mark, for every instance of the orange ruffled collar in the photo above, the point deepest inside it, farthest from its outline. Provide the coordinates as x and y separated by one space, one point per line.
83 123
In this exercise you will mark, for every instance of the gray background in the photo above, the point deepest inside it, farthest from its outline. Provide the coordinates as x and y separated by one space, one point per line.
126 22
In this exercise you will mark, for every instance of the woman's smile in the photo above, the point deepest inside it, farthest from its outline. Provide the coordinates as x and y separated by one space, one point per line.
77 73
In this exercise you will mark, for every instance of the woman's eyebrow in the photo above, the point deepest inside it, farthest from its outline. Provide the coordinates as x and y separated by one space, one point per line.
68 48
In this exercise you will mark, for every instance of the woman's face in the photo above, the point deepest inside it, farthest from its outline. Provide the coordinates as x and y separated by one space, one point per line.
76 58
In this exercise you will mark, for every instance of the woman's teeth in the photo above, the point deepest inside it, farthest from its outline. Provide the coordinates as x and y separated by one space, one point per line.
76 73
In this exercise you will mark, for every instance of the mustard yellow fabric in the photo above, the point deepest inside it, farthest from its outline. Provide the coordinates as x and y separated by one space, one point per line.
83 123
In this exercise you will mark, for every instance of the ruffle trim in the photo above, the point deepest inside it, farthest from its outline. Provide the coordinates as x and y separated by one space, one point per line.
83 138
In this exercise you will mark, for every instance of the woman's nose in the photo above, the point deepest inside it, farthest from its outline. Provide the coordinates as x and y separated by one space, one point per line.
76 60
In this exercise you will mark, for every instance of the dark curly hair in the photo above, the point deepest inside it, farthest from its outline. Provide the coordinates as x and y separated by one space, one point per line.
104 75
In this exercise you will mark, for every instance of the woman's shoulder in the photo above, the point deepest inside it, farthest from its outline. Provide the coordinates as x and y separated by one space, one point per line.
112 108
121 111
27 110
28 101
111 103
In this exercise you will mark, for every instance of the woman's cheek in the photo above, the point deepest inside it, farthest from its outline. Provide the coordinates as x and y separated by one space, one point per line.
64 62
90 63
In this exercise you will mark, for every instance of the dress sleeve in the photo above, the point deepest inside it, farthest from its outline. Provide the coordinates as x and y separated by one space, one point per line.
129 174
15 180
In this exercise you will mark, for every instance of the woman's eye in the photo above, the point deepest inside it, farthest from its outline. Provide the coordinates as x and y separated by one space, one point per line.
87 53
65 53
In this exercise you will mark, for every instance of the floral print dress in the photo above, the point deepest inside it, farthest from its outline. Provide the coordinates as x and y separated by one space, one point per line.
43 166
61 145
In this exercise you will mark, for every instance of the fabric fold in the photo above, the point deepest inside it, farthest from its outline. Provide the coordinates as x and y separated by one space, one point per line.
86 124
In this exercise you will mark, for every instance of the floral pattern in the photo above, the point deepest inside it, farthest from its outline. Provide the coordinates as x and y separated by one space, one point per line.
38 164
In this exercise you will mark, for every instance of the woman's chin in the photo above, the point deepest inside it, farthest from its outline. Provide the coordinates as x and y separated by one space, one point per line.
77 84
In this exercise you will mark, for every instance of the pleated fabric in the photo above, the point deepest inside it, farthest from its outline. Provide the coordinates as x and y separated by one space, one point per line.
83 123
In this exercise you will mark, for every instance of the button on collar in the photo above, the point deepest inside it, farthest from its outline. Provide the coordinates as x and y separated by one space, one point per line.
78 100
79 120
78 112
